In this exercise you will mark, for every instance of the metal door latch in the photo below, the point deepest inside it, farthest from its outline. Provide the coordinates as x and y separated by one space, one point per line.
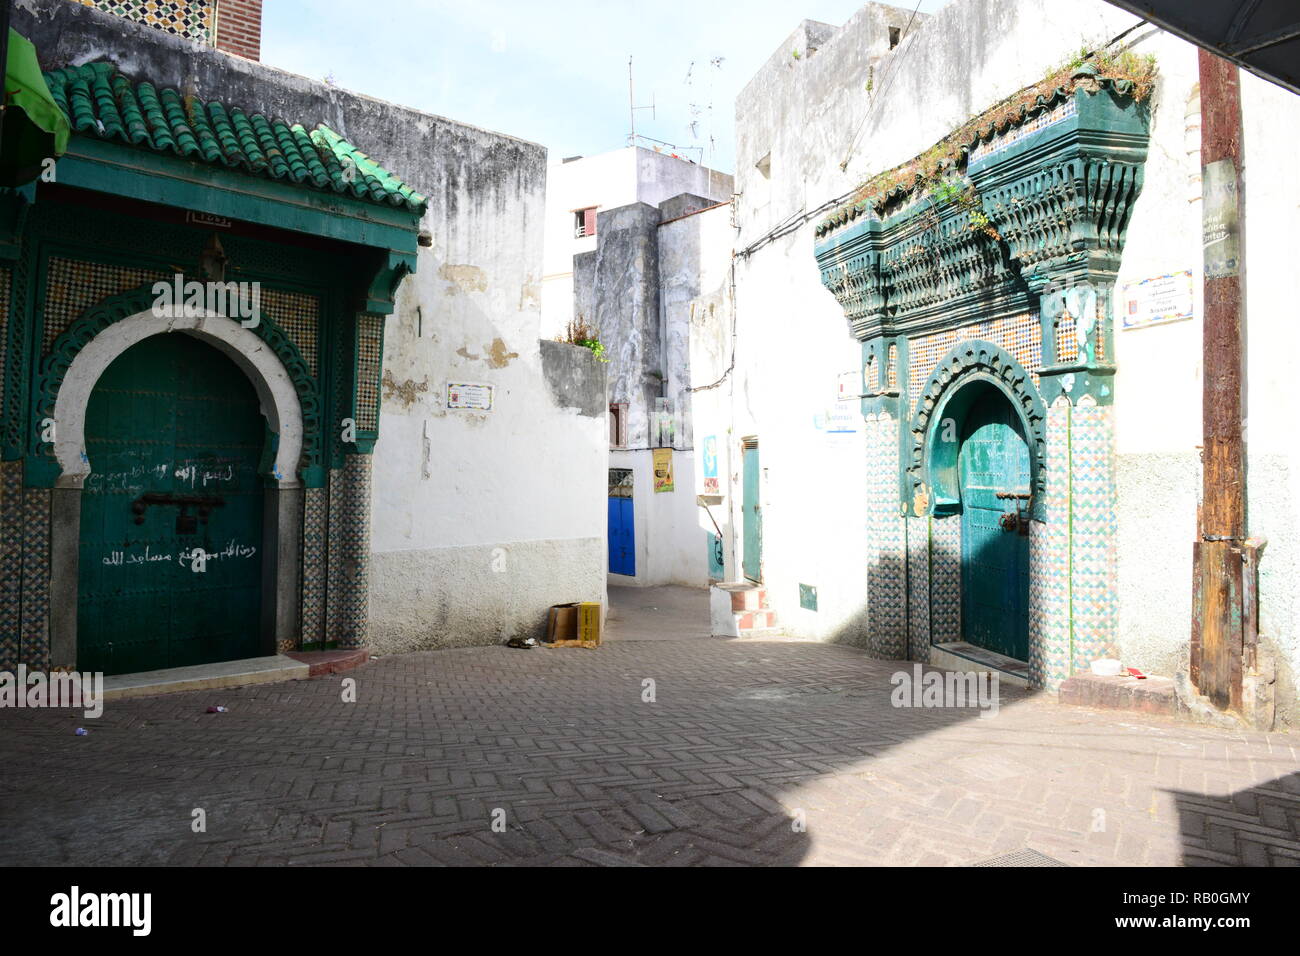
1018 520
186 523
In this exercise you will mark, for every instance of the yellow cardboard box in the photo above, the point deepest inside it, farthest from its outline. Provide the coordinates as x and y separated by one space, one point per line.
589 621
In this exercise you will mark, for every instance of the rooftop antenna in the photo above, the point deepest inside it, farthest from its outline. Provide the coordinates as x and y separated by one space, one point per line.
704 109
632 107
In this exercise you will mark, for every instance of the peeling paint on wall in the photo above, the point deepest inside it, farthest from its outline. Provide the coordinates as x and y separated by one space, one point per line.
530 295
497 356
403 393
464 278
426 452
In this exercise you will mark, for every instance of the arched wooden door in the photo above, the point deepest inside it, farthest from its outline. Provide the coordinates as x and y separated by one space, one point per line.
993 461
170 570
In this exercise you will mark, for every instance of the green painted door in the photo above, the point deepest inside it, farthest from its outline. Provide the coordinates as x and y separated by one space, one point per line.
995 561
174 435
752 519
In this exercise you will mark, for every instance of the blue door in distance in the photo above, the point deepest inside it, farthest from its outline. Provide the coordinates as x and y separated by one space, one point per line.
622 537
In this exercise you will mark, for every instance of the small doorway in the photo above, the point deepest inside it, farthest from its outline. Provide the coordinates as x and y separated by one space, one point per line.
995 481
752 514
622 525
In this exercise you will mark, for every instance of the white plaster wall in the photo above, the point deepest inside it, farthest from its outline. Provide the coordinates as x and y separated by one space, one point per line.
1158 379
607 181
670 543
1272 289
480 519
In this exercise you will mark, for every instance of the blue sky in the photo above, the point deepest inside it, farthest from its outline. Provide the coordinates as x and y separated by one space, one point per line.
551 71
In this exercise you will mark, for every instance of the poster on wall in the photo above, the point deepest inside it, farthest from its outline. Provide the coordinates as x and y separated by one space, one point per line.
1157 300
663 462
711 465
468 395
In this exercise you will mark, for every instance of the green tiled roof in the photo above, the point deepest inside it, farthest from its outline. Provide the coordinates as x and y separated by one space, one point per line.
103 103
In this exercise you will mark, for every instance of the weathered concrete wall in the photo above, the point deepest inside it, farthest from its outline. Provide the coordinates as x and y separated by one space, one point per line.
584 286
576 378
625 311
680 274
453 490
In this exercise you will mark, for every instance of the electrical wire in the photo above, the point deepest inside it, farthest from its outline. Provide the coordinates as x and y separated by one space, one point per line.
888 81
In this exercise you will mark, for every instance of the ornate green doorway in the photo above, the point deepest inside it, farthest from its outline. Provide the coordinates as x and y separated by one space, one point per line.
995 485
170 567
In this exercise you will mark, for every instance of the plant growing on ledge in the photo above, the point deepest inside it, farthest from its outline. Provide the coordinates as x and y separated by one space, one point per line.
936 171
578 332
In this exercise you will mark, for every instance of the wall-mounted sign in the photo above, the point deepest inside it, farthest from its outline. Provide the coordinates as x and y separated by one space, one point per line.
207 219
807 597
711 465
663 462
1159 299
467 395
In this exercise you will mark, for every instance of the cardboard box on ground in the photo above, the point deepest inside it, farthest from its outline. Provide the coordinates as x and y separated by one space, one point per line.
574 624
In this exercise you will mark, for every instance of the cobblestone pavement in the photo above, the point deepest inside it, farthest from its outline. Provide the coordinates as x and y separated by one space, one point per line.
751 752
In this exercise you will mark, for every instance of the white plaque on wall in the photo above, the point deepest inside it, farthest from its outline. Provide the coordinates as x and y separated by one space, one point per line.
1157 300
469 395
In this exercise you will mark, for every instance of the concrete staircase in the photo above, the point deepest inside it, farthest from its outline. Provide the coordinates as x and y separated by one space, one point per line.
740 610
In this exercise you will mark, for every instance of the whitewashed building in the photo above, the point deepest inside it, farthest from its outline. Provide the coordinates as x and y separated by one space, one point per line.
1044 289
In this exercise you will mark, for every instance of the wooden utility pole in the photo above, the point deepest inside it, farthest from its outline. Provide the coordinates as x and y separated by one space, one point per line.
1217 623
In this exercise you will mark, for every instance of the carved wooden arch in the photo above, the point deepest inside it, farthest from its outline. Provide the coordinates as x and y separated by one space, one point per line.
973 361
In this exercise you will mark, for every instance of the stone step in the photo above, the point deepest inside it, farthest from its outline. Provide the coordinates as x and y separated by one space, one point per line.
746 596
1152 695
755 620
740 608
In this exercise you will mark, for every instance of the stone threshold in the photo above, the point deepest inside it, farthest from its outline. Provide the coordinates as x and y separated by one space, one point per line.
959 655
331 662
175 680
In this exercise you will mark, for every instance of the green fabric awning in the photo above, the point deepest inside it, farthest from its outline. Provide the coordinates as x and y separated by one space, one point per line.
35 128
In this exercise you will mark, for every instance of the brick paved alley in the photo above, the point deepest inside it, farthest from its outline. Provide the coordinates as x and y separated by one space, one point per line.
743 740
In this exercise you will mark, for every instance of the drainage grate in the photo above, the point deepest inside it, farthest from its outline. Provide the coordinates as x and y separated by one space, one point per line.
1022 858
